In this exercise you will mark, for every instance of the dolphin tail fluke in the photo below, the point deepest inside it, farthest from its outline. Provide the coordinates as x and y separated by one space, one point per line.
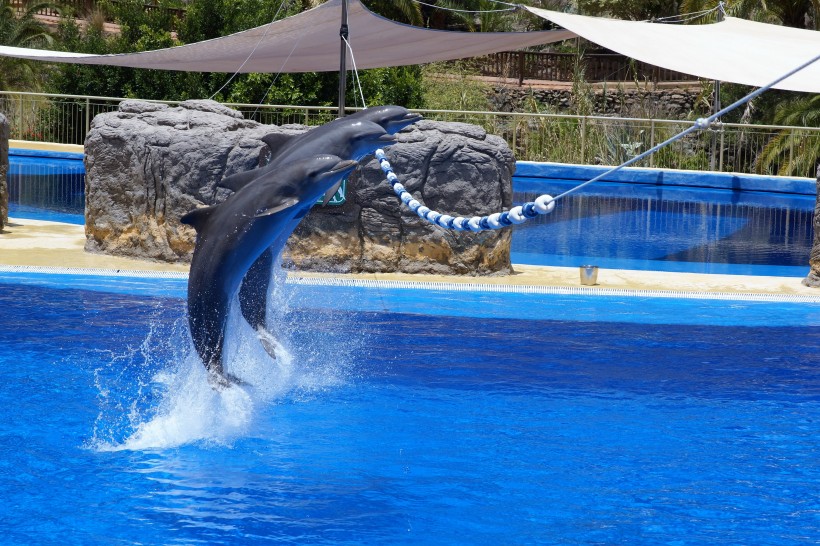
269 343
222 381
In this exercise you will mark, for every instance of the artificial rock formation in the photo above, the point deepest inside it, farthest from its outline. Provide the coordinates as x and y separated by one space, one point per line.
813 278
452 168
148 164
4 170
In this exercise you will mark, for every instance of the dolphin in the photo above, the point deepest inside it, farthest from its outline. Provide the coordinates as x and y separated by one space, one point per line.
233 234
345 137
391 119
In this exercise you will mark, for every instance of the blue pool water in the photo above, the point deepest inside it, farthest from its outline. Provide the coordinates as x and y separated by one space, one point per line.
409 416
647 219
47 180
657 228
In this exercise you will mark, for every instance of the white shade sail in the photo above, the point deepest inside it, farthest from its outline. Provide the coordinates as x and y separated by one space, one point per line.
733 50
309 42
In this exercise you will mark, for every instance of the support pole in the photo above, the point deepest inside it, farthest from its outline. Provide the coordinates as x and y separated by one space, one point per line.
716 108
343 34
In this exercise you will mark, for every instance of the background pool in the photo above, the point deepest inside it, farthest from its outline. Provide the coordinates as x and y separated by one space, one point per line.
433 423
647 219
657 228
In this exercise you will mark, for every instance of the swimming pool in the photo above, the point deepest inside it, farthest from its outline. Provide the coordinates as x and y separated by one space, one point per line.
665 220
657 220
46 180
410 415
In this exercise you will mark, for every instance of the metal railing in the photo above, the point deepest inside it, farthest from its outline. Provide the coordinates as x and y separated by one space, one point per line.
532 137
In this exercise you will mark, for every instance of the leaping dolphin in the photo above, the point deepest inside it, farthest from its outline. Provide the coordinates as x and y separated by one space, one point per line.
345 137
232 235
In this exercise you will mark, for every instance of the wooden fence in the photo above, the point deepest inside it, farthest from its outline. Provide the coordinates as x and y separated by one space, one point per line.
83 8
530 65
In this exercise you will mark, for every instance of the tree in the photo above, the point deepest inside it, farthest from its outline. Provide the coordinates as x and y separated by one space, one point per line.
23 30
790 13
636 10
789 153
208 19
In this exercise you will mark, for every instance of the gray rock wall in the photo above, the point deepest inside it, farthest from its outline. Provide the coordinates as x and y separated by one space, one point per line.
148 164
671 103
813 278
4 170
453 168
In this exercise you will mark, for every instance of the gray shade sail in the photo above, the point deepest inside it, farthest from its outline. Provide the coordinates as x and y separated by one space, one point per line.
734 50
309 42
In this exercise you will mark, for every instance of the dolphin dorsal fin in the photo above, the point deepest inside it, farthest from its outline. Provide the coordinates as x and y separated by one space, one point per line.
237 181
197 218
277 142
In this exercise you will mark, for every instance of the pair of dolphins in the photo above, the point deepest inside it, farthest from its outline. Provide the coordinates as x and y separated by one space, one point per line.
238 240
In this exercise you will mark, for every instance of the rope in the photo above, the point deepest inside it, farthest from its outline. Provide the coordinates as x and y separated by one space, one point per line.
355 71
248 58
545 204
512 8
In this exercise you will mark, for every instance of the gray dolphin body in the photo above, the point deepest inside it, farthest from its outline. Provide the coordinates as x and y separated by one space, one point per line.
232 235
349 137
345 137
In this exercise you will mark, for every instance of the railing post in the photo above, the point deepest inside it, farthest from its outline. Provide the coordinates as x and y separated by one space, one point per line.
584 139
87 115
791 150
520 68
20 118
720 156
652 142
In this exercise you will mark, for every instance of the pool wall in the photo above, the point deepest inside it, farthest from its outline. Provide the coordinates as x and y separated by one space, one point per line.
4 167
46 176
529 175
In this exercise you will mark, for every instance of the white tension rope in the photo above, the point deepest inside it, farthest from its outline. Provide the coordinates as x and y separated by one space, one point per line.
546 203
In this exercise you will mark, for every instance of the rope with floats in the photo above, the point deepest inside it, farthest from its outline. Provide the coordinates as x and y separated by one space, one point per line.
545 204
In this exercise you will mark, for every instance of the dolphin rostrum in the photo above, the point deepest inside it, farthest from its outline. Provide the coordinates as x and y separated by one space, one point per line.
233 234
346 137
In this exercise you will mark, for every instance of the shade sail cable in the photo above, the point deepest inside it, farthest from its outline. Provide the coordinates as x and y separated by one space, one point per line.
544 204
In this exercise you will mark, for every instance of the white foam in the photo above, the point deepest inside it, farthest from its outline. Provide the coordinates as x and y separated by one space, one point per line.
177 405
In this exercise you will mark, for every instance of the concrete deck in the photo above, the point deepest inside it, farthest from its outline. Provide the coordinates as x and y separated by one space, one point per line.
51 244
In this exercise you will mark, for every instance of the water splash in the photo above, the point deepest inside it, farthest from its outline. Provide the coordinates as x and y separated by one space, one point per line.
157 396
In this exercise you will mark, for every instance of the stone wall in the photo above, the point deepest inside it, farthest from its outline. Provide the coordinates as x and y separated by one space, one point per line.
4 169
671 103
813 278
149 164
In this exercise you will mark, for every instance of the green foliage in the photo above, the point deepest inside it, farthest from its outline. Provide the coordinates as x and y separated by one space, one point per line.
450 86
207 19
23 30
636 10
791 13
792 151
